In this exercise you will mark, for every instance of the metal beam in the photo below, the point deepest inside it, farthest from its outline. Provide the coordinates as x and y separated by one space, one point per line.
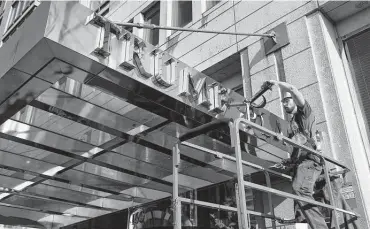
42 211
231 158
291 142
58 111
125 197
135 139
138 139
99 126
46 177
85 159
105 148
295 197
170 108
61 180
82 158
152 26
58 179
96 18
24 193
224 207
55 199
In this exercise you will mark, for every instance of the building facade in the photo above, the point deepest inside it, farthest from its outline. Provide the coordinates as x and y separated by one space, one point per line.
327 58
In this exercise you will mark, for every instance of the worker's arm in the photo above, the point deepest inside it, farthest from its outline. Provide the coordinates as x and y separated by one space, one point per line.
296 94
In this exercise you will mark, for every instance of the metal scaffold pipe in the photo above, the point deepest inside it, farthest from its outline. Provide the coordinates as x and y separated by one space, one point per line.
151 26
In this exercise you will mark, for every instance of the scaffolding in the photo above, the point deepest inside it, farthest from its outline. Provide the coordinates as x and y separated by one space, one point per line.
279 39
235 127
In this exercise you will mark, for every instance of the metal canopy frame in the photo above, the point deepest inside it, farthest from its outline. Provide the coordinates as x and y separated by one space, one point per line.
119 138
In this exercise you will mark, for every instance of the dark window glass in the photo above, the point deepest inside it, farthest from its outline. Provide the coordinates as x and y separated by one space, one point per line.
152 17
103 9
210 4
17 11
182 13
359 53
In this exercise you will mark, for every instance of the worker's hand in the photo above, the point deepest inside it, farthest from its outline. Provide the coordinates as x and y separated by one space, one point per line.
273 82
279 137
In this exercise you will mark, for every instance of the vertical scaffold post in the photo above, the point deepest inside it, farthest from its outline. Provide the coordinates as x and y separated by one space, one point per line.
242 206
175 195
332 200
237 204
269 196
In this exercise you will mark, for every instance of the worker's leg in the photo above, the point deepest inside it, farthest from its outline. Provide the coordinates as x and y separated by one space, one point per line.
303 183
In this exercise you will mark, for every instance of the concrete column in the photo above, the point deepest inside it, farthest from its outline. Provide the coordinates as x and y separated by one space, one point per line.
339 112
197 10
171 10
163 21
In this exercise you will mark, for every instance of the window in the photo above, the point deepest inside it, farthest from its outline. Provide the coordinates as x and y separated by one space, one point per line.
102 7
229 73
206 5
239 89
13 13
358 50
2 5
182 13
152 17
19 12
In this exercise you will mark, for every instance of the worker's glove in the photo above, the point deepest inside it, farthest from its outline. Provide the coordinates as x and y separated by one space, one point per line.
286 165
279 137
270 83
286 221
279 166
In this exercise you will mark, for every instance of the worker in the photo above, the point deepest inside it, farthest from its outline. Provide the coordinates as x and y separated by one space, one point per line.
306 167
230 220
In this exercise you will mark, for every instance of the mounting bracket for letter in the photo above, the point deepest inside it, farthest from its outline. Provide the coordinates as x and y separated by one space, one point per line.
280 39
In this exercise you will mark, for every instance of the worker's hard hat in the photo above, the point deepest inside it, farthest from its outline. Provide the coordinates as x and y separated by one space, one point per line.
286 96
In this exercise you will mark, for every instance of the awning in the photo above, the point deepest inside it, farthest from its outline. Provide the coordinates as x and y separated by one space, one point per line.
84 133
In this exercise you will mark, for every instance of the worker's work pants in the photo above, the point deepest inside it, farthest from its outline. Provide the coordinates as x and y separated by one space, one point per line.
304 180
